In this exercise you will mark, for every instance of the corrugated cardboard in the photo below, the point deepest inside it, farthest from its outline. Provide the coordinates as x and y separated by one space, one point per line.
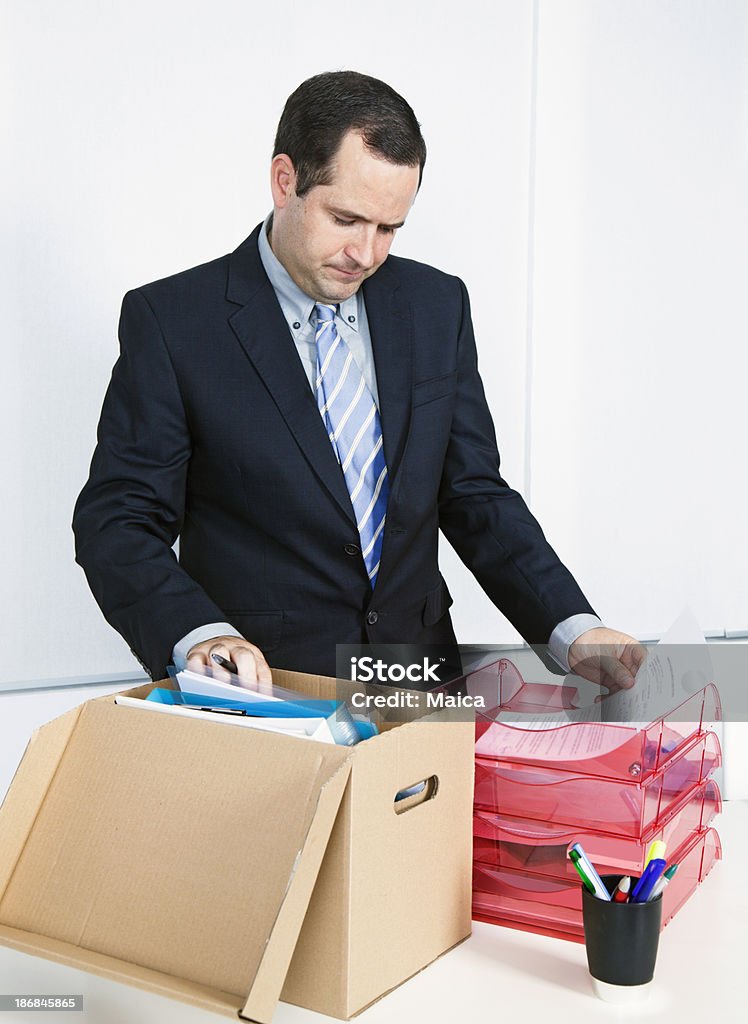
219 864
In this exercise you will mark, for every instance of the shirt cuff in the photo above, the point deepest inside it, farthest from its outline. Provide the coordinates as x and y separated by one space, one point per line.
566 632
196 636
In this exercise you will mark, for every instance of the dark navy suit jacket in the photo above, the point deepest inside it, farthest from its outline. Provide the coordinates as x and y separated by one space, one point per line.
209 431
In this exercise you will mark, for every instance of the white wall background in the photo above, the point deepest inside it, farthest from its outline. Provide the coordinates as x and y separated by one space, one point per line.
640 311
586 177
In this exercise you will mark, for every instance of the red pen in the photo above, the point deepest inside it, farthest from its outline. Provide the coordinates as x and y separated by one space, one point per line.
621 893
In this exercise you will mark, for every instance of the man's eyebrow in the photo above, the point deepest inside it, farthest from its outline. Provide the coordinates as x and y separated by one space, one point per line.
357 216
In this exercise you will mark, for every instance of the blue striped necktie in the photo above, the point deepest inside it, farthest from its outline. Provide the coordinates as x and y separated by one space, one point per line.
352 421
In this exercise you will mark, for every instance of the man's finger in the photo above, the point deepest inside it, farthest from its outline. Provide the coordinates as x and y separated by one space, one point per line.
216 671
634 655
264 675
253 667
615 673
246 664
197 661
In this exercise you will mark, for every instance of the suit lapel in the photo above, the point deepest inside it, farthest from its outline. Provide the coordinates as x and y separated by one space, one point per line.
392 343
263 333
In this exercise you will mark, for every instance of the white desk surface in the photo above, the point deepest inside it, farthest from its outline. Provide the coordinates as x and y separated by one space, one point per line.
497 975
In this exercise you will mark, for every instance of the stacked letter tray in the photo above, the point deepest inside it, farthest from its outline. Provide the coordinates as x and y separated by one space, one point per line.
548 906
613 787
541 847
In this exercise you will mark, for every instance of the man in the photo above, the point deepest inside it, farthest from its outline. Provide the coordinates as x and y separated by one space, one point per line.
305 413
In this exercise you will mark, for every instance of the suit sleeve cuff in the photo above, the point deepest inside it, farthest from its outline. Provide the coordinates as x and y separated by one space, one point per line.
196 636
566 632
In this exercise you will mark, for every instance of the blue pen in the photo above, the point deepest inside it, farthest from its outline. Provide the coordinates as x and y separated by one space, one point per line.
648 880
600 891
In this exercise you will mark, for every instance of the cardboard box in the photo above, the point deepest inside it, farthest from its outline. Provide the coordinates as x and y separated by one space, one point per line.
229 867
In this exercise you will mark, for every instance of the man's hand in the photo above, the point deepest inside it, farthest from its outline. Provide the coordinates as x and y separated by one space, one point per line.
607 657
249 660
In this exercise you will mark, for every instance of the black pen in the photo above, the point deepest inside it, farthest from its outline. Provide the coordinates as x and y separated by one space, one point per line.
219 711
225 663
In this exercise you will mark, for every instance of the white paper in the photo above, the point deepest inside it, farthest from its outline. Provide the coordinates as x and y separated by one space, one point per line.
674 670
194 682
305 728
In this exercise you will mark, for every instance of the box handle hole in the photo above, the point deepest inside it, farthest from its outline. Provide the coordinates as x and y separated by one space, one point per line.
418 793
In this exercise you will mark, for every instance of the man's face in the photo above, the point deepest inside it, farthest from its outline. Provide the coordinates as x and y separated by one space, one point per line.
337 235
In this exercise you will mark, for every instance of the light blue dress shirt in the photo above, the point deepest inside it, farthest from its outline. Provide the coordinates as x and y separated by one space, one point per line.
298 309
353 326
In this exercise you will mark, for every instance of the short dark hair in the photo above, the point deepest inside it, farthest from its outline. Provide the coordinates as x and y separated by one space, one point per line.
325 107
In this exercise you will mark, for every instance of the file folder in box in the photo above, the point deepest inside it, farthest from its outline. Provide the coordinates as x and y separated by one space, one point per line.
542 847
625 806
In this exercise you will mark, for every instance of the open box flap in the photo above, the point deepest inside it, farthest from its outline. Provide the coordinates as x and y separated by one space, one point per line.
169 845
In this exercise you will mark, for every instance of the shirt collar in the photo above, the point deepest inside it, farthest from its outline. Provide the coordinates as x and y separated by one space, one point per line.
297 306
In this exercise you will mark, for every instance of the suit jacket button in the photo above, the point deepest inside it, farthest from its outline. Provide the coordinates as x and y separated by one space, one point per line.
372 617
352 549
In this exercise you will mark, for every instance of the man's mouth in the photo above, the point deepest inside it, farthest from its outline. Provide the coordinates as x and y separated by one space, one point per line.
349 273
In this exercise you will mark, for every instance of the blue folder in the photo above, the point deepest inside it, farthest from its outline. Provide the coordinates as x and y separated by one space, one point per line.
345 729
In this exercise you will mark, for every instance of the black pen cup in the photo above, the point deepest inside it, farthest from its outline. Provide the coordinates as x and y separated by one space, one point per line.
621 941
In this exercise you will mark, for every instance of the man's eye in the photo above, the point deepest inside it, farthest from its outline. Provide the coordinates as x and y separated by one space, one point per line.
344 223
386 230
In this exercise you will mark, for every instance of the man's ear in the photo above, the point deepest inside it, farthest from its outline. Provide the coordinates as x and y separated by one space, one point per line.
282 179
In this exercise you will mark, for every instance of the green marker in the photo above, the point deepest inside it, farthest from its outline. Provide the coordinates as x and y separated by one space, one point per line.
576 861
661 883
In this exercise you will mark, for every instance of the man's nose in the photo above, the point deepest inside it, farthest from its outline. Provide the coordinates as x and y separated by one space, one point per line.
362 250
